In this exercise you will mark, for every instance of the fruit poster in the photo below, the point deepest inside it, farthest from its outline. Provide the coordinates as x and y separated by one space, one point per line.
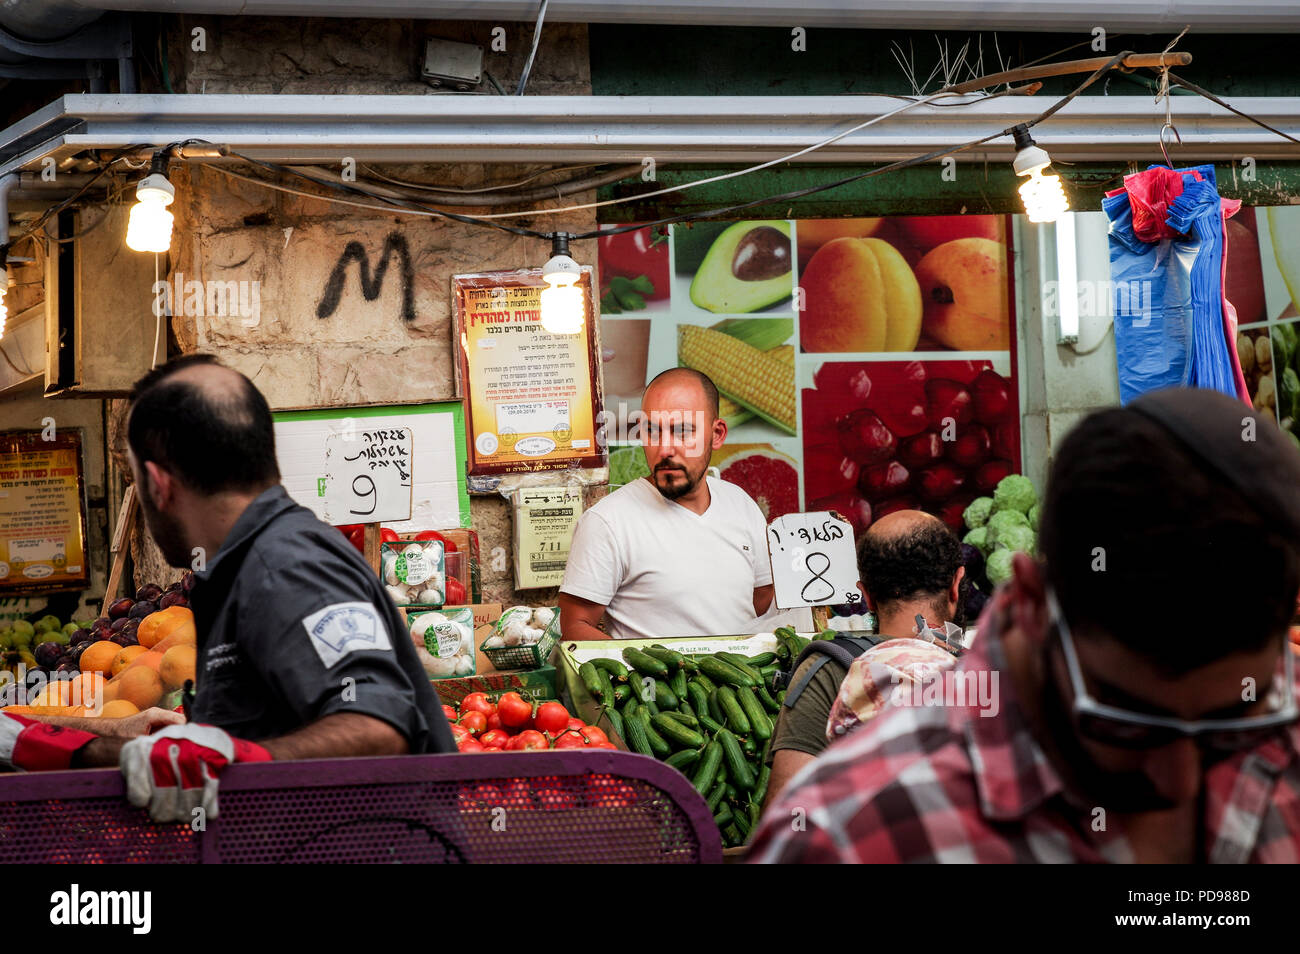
42 513
532 398
1263 285
865 365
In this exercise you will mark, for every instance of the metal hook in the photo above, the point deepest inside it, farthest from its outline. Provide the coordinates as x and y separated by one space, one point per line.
1163 148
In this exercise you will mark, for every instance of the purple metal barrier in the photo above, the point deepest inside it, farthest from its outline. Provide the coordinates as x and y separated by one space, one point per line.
519 807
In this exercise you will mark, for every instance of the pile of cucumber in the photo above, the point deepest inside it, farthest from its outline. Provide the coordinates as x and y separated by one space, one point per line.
708 716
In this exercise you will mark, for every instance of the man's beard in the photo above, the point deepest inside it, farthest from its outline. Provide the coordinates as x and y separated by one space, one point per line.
166 532
675 491
1123 792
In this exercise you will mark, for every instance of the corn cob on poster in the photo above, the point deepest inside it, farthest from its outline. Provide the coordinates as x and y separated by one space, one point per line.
532 398
865 365
42 513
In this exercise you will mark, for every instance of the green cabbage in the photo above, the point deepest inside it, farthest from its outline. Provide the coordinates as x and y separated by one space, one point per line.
977 514
998 566
1014 492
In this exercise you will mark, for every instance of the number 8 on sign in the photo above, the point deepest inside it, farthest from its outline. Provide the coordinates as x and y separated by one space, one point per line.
818 589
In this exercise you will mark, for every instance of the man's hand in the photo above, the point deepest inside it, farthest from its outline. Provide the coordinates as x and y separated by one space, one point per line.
176 770
142 723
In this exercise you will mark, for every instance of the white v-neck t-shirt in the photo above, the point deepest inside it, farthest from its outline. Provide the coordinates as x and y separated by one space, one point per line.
661 570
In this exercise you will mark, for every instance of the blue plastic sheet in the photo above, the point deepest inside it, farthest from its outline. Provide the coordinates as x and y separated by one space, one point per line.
1166 269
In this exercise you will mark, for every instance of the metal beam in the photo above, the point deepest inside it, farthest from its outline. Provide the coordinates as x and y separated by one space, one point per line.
725 130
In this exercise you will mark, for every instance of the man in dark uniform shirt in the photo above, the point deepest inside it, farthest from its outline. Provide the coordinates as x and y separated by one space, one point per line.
301 653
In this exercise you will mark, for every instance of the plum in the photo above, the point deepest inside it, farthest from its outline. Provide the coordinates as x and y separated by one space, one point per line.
142 609
187 581
117 626
175 598
150 592
865 439
119 608
884 480
99 628
83 636
946 400
126 639
48 654
921 450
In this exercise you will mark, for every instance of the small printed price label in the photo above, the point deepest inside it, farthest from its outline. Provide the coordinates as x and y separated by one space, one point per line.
814 561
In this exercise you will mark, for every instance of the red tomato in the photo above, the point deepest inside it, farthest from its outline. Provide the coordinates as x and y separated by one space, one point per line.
477 702
494 719
531 740
455 592
593 734
470 745
609 792
348 528
604 745
358 538
459 733
556 799
475 722
574 723
570 739
494 738
493 748
450 713
515 743
641 252
514 709
447 545
388 536
551 717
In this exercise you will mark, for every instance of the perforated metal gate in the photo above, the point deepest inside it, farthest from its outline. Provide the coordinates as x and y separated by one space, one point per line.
509 808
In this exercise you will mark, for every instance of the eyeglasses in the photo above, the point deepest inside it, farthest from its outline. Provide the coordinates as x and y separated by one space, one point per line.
1125 728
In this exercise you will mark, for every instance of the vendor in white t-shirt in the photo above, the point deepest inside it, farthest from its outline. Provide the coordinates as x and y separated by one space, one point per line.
676 553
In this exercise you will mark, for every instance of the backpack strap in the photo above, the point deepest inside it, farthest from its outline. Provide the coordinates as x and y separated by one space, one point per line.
843 649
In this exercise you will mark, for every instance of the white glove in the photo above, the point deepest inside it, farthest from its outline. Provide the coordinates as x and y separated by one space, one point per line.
175 771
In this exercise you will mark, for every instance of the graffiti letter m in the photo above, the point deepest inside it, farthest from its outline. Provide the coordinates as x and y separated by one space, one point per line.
371 283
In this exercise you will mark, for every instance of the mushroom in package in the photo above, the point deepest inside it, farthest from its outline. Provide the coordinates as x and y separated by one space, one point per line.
521 626
445 642
414 573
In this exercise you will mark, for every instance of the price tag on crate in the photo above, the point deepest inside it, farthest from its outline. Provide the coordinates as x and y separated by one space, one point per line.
368 475
814 560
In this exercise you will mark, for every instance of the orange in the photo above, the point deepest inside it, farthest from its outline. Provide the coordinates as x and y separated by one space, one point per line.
99 656
175 621
56 693
118 709
124 657
88 689
176 666
140 686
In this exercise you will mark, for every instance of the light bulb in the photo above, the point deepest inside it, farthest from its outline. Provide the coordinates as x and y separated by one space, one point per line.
150 227
1043 195
563 304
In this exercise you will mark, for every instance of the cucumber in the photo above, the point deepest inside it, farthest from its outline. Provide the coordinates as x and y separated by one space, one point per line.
630 707
684 759
739 661
699 699
642 686
747 743
610 699
677 734
636 737
665 698
673 660
678 684
769 703
658 744
615 721
761 660
735 715
724 816
731 838
738 769
715 796
645 665
685 719
650 706
612 666
707 768
621 692
754 713
687 713
591 680
741 820
715 710
722 672
709 724
704 682
755 813
760 787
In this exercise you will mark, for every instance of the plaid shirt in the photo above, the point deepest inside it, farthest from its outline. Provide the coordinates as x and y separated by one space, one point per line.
937 783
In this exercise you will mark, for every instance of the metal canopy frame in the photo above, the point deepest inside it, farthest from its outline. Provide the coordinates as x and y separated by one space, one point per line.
628 129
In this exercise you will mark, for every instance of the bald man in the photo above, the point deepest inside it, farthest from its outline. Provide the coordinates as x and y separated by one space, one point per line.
301 653
910 565
676 553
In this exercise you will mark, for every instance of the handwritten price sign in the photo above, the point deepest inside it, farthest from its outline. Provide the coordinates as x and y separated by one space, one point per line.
368 476
814 562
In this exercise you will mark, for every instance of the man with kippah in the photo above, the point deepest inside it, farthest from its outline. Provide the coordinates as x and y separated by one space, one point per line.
1146 705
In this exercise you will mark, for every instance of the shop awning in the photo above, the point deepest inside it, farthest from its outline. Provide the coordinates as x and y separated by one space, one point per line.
546 129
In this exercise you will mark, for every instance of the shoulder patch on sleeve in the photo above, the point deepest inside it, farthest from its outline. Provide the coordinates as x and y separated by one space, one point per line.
344 628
